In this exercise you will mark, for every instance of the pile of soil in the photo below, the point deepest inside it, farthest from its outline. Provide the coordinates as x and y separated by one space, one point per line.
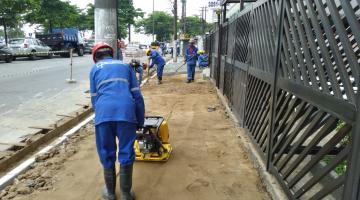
42 175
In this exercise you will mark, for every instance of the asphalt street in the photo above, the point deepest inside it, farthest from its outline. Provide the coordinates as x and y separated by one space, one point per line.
33 92
25 80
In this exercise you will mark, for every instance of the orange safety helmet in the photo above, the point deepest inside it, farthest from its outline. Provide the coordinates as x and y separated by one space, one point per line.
101 45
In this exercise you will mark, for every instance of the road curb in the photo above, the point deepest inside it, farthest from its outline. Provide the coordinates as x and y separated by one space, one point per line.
271 184
10 176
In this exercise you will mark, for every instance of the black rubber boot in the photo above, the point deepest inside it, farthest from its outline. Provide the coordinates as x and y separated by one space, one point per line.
126 182
110 184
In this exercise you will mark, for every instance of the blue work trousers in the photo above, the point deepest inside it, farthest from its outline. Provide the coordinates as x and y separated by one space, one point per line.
106 134
190 71
159 71
140 71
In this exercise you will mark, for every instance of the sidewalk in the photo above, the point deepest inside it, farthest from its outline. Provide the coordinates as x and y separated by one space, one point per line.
207 162
178 67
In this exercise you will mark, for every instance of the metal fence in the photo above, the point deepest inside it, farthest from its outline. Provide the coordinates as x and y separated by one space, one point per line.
290 72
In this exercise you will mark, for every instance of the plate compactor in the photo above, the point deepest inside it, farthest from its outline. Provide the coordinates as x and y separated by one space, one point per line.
152 142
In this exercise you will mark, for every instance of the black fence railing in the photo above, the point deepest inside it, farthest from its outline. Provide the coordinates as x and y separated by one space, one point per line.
290 72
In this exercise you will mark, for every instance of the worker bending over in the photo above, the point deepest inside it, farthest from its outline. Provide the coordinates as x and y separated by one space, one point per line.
119 111
190 59
158 60
203 60
138 68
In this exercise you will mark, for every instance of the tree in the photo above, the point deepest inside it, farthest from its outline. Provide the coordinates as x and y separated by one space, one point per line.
15 32
194 26
53 13
127 15
162 27
11 13
85 21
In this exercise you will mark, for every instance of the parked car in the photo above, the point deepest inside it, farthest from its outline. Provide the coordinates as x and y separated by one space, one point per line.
133 51
29 47
6 54
89 44
143 46
2 42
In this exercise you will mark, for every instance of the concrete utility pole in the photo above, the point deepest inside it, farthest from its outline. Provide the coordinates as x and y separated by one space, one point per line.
175 31
202 20
106 22
183 15
153 22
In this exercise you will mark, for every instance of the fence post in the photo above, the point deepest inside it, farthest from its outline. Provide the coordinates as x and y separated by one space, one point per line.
219 51
276 64
352 181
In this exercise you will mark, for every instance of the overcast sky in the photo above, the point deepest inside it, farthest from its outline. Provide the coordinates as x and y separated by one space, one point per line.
193 6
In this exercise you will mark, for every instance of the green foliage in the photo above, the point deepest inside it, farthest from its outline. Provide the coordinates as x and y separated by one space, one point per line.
11 14
162 26
54 13
11 10
15 32
127 15
193 26
340 124
60 14
340 169
85 21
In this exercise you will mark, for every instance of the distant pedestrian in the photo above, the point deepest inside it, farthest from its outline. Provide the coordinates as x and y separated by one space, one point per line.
120 45
203 59
158 60
119 111
190 59
177 50
138 68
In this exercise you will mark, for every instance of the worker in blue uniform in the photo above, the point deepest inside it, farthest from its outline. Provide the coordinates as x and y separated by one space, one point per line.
158 60
190 59
119 111
203 59
138 68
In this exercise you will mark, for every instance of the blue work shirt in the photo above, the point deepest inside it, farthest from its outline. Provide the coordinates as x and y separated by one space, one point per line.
115 93
191 55
203 60
156 59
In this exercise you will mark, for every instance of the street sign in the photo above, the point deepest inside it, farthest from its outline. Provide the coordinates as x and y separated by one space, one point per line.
214 4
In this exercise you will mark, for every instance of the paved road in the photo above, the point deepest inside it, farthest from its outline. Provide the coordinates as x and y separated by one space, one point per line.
34 92
25 80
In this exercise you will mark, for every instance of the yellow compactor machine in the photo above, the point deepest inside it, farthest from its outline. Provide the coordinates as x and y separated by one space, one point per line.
152 142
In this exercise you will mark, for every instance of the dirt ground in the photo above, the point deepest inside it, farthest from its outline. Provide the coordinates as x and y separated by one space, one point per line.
207 162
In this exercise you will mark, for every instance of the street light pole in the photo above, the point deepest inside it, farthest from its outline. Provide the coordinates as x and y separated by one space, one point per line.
153 22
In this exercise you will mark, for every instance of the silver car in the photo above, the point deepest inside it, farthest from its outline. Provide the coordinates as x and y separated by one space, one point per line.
132 51
29 47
